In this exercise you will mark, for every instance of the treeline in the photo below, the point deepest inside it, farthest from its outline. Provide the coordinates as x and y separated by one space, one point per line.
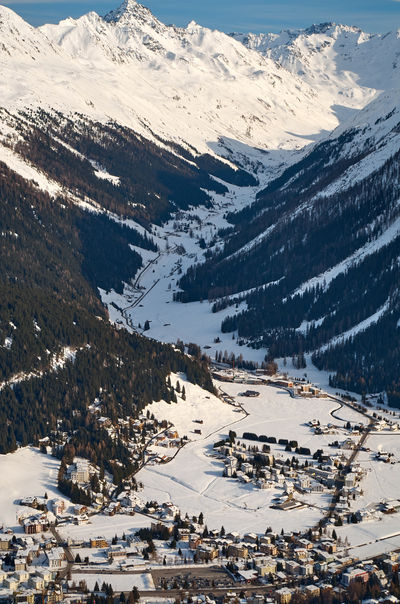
328 311
368 361
53 257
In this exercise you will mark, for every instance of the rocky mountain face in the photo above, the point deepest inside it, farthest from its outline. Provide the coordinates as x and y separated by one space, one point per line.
123 118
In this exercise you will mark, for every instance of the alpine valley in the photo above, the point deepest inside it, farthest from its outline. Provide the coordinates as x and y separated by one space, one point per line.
172 197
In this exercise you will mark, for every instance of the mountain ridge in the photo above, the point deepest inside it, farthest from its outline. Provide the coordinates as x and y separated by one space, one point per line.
209 82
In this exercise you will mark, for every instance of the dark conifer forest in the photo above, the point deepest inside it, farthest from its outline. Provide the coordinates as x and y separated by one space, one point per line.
53 257
290 235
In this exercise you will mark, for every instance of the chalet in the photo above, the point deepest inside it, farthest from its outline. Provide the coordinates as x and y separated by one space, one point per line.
31 502
194 540
207 552
350 480
117 552
283 595
266 567
312 591
55 558
247 468
184 534
250 538
242 477
99 542
349 444
247 576
317 487
36 524
284 383
326 557
301 553
11 583
22 576
233 536
5 542
112 508
80 509
288 487
390 506
46 575
20 563
36 582
355 574
58 506
328 546
307 568
292 567
308 545
237 551
25 597
269 548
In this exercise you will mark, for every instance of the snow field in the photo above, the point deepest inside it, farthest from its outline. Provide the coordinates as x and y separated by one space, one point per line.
120 582
105 526
25 472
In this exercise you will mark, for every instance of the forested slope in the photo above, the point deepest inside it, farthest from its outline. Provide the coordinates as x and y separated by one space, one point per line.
58 351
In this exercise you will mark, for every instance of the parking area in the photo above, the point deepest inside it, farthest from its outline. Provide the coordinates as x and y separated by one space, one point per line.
194 578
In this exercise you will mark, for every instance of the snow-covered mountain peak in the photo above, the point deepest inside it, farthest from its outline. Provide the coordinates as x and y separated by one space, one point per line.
193 26
349 65
131 12
329 28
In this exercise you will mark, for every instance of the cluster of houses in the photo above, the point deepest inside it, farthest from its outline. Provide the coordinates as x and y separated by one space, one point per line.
29 568
316 560
300 388
288 469
267 471
312 562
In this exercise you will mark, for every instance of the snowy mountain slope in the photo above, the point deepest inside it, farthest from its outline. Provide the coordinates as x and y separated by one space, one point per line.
343 61
189 85
197 87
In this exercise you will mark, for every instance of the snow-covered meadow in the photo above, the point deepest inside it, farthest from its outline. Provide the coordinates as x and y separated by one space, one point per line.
27 472
119 582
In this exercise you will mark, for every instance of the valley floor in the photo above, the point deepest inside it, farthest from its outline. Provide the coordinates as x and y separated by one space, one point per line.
194 481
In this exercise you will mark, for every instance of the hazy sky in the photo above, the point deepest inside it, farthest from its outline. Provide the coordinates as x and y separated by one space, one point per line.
232 15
